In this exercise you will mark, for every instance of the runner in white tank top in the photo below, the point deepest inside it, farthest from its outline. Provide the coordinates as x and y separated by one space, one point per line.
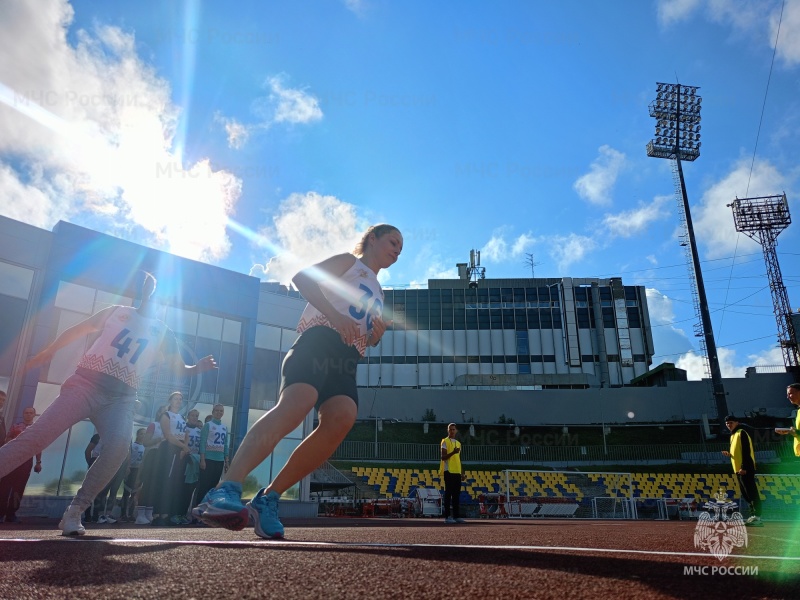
102 389
344 295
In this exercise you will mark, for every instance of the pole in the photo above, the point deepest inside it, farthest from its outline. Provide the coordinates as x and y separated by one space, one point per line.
705 316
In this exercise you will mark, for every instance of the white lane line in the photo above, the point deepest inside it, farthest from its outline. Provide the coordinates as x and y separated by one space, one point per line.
289 544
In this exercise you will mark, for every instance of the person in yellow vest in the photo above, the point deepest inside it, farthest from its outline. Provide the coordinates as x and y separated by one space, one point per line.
743 459
453 474
793 394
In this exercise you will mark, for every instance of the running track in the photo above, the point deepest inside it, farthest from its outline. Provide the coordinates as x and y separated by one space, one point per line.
397 558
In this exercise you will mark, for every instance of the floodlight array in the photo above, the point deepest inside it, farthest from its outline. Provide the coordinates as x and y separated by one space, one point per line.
761 214
677 113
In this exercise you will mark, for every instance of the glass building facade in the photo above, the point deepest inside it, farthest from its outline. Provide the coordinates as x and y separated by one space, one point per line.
577 332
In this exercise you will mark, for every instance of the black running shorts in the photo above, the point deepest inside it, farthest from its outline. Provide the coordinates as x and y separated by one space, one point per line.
321 359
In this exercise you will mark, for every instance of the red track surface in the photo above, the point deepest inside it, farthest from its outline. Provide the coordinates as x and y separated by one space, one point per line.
398 558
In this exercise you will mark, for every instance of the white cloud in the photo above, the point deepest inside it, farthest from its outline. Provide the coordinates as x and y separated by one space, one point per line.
713 219
237 133
496 249
630 222
753 20
770 357
695 365
669 340
570 249
25 202
87 133
597 184
660 307
730 365
293 105
521 244
499 250
432 266
565 250
789 41
281 105
673 11
308 228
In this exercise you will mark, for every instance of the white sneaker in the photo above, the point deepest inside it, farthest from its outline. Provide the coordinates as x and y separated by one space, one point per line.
110 520
101 520
71 523
449 521
141 516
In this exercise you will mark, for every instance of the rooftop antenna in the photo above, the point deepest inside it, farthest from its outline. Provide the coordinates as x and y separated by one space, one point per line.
531 263
475 271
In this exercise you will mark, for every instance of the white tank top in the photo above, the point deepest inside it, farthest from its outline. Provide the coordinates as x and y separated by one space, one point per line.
137 455
361 299
194 439
127 346
158 434
217 434
177 424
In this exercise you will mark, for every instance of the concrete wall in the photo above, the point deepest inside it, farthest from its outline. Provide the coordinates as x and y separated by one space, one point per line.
680 400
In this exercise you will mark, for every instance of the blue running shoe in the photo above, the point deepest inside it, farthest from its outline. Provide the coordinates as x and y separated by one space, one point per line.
264 510
222 507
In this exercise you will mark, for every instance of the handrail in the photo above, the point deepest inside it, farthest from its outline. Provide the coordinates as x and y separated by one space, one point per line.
612 454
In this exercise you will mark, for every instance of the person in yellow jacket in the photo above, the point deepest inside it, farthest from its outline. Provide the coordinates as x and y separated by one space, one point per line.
793 394
453 474
743 459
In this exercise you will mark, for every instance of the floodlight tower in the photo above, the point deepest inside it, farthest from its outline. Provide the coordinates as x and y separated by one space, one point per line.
762 219
677 113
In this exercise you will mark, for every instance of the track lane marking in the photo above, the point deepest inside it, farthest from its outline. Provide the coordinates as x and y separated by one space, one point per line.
289 544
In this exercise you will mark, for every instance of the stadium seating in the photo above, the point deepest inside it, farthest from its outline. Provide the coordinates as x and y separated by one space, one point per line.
779 491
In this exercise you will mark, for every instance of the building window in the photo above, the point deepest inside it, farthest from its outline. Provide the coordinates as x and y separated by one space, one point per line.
523 348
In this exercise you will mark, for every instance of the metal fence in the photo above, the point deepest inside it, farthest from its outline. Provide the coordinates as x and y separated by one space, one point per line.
708 453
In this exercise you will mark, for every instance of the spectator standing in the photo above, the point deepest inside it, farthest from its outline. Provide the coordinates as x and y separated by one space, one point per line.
793 395
173 452
213 452
12 486
194 428
131 484
451 471
90 454
106 500
743 459
150 469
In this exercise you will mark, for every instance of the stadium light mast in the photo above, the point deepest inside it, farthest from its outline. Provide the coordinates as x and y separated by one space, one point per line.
762 219
677 113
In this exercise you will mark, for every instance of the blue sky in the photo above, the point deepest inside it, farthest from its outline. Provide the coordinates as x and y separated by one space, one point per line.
264 136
